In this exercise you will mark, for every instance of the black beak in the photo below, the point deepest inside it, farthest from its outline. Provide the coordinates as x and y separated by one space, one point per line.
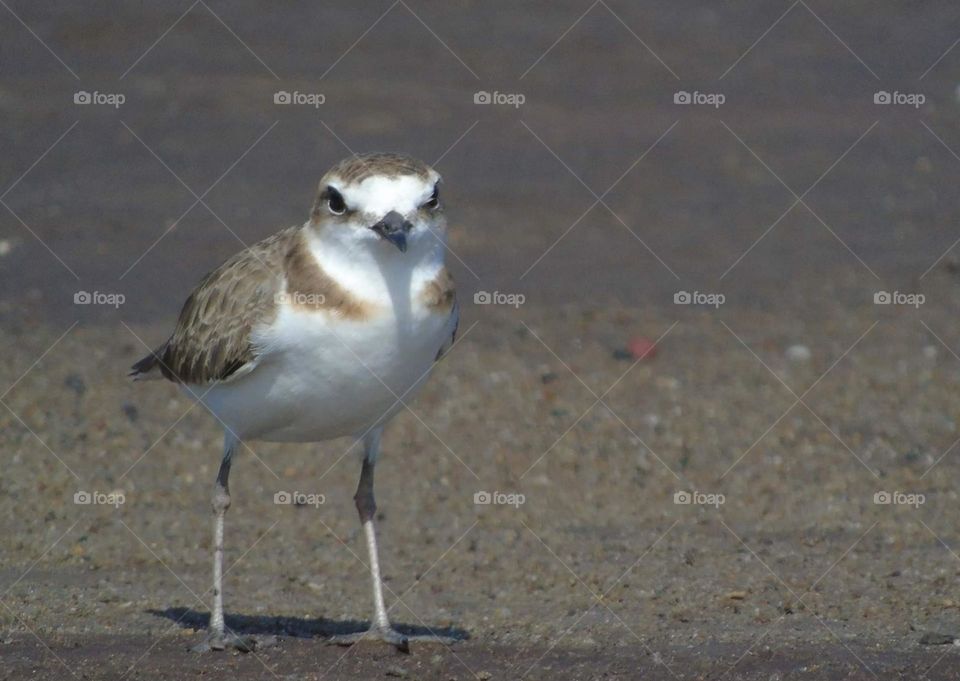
394 229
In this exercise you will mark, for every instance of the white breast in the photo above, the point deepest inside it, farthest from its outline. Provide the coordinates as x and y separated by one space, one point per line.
323 376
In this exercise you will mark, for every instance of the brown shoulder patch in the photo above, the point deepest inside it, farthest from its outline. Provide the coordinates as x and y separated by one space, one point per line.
310 288
440 294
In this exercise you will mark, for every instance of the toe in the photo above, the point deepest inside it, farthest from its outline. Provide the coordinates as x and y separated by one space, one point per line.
217 641
388 636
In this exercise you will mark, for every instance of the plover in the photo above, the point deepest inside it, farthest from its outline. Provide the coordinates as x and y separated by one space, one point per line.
321 331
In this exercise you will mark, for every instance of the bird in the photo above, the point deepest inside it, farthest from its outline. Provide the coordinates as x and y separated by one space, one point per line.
322 330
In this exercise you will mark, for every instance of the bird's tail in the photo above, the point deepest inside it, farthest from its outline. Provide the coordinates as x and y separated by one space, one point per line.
148 368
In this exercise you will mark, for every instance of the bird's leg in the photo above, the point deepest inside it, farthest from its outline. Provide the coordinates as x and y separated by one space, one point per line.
217 638
367 508
380 628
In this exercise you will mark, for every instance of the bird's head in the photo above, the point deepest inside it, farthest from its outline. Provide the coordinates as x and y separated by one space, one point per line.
380 201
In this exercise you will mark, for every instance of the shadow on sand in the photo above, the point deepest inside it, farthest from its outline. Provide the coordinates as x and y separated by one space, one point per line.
298 627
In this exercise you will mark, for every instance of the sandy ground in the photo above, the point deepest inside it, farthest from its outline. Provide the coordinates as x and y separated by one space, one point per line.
787 409
598 570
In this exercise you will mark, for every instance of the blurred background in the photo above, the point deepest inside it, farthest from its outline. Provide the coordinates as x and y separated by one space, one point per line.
722 235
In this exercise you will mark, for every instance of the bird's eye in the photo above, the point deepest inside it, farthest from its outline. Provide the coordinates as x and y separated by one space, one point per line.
335 202
434 201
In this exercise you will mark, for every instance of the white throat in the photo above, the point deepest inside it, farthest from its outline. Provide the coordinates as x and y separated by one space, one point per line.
376 270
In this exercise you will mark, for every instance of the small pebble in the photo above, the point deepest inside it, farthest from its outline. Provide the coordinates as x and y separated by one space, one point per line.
130 411
397 672
267 641
76 383
799 353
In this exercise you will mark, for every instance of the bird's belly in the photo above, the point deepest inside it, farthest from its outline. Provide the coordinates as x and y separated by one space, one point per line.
329 377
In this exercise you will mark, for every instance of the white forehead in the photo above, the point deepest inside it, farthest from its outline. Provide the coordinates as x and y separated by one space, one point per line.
381 194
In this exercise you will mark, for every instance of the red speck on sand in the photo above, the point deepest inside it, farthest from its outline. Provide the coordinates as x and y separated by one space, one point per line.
642 348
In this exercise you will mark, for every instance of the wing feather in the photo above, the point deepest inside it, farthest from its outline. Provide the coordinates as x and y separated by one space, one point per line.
212 339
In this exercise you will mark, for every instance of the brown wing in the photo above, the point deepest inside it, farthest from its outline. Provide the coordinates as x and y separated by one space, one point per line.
455 313
212 338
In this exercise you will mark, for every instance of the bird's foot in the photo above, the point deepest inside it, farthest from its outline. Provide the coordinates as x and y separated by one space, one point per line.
218 640
390 636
